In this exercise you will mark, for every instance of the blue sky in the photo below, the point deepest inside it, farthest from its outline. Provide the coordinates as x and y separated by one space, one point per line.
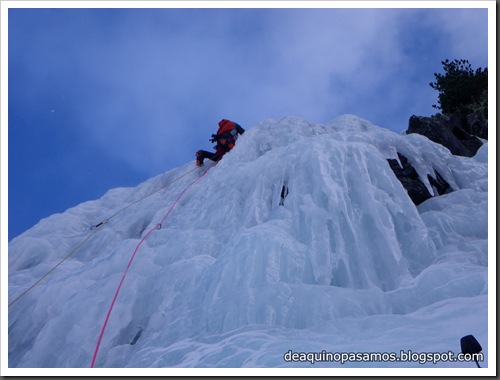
104 98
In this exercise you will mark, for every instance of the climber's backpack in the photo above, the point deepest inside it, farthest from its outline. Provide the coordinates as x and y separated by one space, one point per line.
226 135
225 126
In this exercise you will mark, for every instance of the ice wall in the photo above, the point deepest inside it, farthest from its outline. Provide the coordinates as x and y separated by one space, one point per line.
230 264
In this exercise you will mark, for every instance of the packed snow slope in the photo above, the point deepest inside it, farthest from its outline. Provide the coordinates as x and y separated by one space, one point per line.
234 279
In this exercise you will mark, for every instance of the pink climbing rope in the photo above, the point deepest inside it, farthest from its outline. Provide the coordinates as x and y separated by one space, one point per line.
158 226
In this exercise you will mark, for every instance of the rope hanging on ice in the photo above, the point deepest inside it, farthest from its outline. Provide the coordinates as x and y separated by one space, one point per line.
156 227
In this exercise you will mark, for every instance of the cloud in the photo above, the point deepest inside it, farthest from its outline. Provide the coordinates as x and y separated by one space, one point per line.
465 32
146 85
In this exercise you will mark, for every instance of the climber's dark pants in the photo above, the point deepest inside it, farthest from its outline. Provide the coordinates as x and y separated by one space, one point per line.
211 156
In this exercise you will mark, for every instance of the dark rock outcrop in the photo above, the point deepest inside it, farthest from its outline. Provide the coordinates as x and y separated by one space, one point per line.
461 133
410 179
447 131
477 123
439 184
412 182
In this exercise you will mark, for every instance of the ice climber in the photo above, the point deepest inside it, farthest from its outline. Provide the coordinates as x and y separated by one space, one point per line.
226 137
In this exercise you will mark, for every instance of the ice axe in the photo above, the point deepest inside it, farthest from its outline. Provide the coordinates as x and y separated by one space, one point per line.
470 346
